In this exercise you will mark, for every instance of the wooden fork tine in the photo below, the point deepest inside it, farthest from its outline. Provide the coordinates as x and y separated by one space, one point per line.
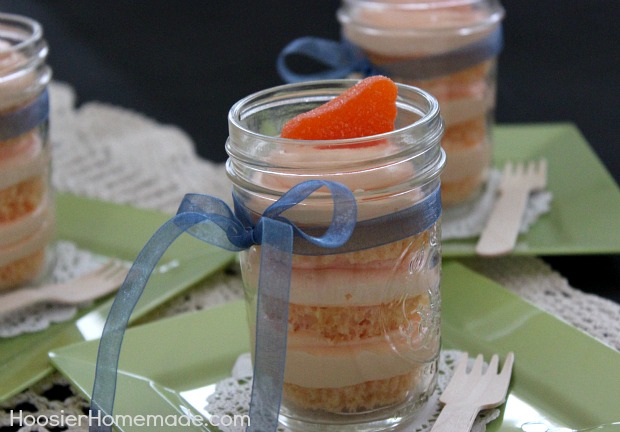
492 367
112 272
537 174
117 273
101 272
520 168
458 380
503 378
461 365
506 176
531 168
477 367
112 269
104 269
116 269
506 372
542 172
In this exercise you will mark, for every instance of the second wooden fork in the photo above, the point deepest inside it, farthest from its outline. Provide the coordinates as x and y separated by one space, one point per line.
469 392
90 286
500 234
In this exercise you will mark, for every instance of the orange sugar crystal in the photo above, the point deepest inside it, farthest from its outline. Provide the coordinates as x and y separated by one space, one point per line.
368 108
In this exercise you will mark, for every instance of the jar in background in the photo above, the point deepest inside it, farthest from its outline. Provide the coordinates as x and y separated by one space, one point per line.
364 322
26 199
448 48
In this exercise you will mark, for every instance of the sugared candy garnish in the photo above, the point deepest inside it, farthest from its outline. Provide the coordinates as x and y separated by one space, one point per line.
368 108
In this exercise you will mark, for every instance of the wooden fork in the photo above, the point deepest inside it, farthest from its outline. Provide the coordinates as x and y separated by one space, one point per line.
500 234
95 284
470 392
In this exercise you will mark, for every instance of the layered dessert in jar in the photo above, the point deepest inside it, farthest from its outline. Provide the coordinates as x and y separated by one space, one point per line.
363 321
448 48
363 327
26 209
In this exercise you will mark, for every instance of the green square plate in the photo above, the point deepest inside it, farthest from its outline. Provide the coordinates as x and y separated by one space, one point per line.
116 231
561 375
585 211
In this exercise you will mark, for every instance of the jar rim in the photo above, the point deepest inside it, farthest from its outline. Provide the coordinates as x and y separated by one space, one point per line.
490 19
235 114
415 4
33 29
257 151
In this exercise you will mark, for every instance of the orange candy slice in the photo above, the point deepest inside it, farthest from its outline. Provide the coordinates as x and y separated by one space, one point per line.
368 108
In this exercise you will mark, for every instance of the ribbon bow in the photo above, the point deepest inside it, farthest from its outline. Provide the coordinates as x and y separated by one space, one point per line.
344 58
211 220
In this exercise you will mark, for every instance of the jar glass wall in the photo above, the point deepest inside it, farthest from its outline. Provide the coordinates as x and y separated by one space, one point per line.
364 322
449 48
26 199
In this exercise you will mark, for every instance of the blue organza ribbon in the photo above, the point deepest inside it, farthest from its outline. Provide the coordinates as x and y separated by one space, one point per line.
211 220
27 117
343 58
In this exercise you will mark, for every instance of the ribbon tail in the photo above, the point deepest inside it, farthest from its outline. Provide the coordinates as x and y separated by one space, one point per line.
104 387
271 325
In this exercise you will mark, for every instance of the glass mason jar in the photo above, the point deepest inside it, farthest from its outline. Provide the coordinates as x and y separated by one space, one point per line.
363 334
26 201
449 48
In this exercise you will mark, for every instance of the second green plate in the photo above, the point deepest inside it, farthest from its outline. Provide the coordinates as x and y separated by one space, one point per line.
116 231
585 211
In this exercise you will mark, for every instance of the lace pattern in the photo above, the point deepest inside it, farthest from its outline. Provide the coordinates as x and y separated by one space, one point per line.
68 262
232 396
137 161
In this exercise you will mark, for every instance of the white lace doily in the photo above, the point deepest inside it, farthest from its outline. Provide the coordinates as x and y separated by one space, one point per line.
232 396
68 262
114 154
38 401
469 219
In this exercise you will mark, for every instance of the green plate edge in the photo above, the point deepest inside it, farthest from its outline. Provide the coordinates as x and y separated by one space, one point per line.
561 375
117 231
585 211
